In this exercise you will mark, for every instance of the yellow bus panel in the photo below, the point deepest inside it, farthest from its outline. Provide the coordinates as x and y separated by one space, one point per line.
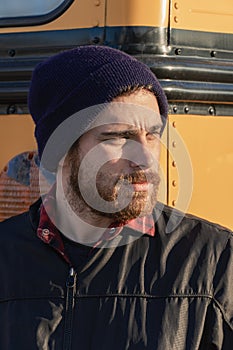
137 13
208 15
208 151
16 136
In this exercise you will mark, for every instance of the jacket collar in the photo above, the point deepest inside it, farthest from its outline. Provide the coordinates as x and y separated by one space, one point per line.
50 234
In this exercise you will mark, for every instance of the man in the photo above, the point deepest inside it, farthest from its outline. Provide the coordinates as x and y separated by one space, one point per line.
92 265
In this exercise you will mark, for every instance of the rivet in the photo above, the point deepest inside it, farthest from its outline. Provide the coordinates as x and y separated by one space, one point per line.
96 40
174 144
211 110
178 51
176 5
176 19
174 124
12 109
174 183
45 232
174 163
11 52
173 203
175 109
112 230
213 53
186 109
97 2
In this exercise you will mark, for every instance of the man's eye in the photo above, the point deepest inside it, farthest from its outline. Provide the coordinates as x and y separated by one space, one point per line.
154 135
115 141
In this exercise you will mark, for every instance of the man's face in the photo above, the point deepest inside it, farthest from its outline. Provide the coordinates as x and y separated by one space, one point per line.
113 169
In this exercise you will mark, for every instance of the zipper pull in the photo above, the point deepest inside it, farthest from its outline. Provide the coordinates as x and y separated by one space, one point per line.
70 293
71 278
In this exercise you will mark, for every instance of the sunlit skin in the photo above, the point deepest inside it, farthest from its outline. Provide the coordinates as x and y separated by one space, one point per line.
127 164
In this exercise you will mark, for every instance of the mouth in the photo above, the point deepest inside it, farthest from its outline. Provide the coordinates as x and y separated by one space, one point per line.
139 182
140 186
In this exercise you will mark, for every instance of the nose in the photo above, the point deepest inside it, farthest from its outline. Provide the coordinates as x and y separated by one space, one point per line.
140 156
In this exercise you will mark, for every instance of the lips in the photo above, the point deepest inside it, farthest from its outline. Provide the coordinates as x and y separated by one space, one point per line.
140 186
140 181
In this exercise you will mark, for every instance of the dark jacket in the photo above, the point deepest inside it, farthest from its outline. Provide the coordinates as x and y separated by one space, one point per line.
173 291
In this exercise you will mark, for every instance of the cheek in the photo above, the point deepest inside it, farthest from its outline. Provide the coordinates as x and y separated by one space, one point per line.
104 157
155 149
157 152
114 167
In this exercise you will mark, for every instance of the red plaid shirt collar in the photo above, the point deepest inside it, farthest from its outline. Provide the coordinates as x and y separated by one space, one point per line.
50 234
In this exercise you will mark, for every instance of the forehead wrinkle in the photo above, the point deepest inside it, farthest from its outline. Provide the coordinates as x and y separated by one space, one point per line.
134 129
127 113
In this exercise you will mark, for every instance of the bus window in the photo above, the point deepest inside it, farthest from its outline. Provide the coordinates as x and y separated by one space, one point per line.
30 12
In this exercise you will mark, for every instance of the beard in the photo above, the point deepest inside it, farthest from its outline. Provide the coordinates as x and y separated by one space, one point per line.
115 198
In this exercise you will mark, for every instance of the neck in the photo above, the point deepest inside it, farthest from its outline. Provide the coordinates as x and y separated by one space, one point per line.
83 226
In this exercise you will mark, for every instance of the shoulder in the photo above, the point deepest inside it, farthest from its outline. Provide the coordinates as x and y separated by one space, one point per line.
20 225
13 225
204 250
175 222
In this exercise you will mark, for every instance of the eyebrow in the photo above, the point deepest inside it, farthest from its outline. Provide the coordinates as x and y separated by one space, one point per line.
129 132
121 133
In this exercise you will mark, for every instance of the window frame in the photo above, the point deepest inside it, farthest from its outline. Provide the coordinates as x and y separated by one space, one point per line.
24 21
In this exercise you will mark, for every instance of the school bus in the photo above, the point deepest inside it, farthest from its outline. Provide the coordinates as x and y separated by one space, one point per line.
187 44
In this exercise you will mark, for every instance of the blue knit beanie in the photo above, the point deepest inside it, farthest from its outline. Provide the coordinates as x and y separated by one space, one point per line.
83 77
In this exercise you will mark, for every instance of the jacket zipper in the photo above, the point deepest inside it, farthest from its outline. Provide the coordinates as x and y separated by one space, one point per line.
71 288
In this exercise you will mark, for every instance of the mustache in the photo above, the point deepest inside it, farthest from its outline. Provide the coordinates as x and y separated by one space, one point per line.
141 177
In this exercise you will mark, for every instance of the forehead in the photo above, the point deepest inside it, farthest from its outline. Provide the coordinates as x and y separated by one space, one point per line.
138 110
